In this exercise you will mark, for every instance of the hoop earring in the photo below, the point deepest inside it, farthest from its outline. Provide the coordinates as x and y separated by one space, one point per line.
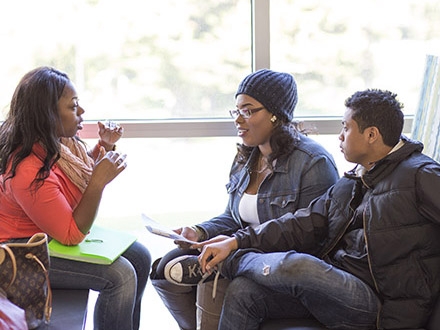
273 119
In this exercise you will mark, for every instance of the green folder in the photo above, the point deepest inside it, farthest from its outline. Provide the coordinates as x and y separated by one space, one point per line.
101 246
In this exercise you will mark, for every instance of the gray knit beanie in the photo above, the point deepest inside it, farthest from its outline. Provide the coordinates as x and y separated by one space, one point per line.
276 91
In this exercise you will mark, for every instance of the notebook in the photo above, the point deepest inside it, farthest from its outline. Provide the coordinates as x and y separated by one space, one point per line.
101 246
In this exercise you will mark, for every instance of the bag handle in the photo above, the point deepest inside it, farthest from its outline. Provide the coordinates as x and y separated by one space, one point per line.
14 263
35 240
48 304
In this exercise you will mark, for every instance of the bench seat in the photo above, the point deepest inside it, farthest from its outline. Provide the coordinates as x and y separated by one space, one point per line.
69 310
287 324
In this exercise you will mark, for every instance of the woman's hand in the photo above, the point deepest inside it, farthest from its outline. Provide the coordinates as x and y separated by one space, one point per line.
107 167
109 134
188 232
215 251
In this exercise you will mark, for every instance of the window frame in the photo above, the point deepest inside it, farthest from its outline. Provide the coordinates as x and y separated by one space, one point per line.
211 127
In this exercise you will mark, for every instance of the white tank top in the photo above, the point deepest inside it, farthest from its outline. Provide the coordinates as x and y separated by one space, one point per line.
248 209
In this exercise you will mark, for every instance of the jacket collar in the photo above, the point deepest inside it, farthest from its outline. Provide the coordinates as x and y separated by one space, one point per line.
386 165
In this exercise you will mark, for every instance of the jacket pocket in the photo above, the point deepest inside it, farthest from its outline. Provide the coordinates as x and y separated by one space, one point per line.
285 201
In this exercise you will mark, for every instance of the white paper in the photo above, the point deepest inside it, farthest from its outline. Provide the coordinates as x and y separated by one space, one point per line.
161 230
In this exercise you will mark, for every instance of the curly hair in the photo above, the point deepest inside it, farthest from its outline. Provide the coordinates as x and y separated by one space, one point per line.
33 117
379 108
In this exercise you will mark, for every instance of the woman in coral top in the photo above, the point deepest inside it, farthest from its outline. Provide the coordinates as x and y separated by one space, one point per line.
50 183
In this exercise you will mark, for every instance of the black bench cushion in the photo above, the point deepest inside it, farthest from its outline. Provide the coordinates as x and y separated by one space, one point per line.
69 310
306 324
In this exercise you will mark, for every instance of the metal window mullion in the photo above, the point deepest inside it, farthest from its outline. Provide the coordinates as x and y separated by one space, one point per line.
260 34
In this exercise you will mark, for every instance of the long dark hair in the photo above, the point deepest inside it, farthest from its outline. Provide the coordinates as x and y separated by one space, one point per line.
285 136
33 117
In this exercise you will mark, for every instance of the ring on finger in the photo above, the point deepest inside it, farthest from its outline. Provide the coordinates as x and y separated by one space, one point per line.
119 162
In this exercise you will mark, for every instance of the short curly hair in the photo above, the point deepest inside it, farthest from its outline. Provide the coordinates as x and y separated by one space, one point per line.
379 108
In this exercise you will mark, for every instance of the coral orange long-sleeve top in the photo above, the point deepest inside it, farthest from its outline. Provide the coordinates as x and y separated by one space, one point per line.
24 211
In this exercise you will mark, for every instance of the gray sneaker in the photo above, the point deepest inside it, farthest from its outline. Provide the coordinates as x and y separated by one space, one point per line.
185 271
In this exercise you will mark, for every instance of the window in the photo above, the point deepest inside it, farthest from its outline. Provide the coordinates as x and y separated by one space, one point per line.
335 48
132 59
173 59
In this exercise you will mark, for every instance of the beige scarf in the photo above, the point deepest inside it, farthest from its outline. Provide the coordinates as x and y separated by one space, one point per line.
75 162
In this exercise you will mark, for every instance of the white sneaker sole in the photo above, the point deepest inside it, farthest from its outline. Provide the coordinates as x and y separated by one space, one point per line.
169 270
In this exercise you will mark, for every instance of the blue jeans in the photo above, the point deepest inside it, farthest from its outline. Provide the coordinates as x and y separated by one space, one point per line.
121 286
294 285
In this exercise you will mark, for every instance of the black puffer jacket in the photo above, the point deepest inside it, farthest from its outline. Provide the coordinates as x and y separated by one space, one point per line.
402 232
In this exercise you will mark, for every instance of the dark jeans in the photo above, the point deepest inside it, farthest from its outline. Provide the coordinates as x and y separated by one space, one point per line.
294 285
121 286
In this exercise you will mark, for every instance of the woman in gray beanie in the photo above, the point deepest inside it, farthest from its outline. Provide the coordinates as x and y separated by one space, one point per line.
277 170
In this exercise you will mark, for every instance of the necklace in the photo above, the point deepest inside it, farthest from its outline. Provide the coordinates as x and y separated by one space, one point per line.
262 168
258 173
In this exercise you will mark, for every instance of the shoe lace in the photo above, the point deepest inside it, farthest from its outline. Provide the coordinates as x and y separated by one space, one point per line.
214 285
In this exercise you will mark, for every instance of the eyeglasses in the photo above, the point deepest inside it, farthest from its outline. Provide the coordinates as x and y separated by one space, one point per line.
245 113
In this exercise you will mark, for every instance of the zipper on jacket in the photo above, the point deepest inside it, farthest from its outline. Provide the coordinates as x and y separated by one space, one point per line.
364 220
